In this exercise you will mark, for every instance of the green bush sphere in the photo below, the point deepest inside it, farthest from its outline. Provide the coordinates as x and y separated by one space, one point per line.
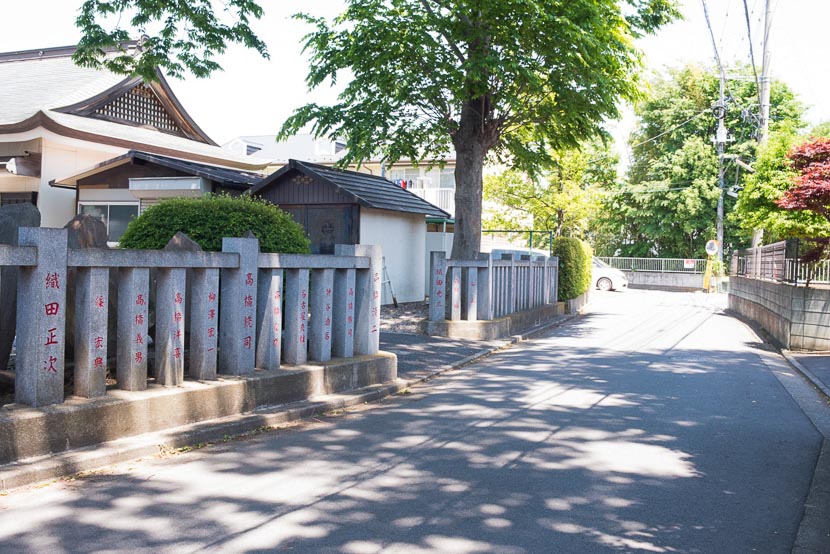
575 266
208 219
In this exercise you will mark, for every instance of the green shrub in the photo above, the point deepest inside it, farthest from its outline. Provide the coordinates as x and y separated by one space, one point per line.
208 219
575 264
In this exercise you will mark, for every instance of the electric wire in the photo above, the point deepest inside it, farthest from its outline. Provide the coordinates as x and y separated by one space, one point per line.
714 42
752 53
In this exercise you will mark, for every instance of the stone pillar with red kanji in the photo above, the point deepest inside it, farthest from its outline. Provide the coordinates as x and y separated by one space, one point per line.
41 319
295 347
437 286
342 343
367 297
170 310
238 300
133 321
269 319
91 302
203 324
322 303
485 285
455 283
472 294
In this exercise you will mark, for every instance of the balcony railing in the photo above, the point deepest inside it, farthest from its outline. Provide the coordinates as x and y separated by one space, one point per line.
444 198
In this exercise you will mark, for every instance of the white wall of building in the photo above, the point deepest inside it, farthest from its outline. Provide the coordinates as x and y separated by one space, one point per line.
403 239
62 157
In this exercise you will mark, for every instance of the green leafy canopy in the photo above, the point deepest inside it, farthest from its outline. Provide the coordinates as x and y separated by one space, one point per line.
176 36
544 74
563 199
668 206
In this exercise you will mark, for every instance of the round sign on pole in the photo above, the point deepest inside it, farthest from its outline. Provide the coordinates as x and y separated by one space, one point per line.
712 247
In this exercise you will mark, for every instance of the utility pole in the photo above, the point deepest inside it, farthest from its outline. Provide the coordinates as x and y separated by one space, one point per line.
763 99
765 76
720 139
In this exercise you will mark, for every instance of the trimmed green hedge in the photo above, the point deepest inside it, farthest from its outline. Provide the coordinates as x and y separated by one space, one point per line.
208 219
575 265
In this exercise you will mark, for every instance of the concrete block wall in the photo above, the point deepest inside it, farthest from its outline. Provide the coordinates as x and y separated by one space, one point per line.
664 280
797 317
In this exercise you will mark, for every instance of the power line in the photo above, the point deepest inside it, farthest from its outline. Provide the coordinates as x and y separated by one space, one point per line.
752 54
664 133
712 35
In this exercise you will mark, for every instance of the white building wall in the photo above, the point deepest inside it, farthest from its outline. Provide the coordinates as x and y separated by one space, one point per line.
64 159
403 239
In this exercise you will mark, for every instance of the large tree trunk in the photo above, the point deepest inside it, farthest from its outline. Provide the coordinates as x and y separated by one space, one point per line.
472 141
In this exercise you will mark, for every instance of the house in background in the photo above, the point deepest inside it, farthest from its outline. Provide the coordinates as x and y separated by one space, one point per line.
120 188
299 147
349 207
58 120
434 184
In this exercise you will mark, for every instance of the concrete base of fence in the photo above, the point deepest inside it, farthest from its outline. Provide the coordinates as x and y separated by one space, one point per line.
492 329
28 432
655 280
576 305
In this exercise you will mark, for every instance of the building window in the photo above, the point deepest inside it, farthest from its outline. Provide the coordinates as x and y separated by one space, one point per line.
407 178
448 178
115 215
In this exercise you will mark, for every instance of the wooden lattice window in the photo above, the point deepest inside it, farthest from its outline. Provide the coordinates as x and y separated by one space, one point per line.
141 107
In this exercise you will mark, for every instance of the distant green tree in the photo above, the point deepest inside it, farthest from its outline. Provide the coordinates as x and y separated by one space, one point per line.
563 199
668 205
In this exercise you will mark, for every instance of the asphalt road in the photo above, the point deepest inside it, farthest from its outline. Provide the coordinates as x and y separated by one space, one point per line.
649 425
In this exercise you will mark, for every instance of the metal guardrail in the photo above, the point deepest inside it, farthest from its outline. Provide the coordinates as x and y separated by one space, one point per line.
660 265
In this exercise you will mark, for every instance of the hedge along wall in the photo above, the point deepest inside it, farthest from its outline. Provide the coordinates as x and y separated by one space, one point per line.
206 220
575 258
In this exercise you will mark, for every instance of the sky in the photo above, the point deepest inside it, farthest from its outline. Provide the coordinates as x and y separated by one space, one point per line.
253 96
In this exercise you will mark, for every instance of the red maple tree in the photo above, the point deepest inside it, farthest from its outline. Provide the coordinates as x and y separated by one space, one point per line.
811 188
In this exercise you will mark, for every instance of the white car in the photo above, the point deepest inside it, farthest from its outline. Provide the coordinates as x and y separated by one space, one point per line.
606 277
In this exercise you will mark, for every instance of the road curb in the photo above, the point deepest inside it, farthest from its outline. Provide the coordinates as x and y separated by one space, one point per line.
87 459
809 375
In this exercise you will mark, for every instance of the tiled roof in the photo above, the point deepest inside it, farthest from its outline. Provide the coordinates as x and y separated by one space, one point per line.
227 177
33 85
369 190
33 89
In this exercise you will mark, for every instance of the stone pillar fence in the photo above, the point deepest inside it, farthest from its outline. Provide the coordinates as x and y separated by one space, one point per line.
490 288
246 310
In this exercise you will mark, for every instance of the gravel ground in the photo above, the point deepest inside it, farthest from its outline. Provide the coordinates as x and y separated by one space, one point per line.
404 318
